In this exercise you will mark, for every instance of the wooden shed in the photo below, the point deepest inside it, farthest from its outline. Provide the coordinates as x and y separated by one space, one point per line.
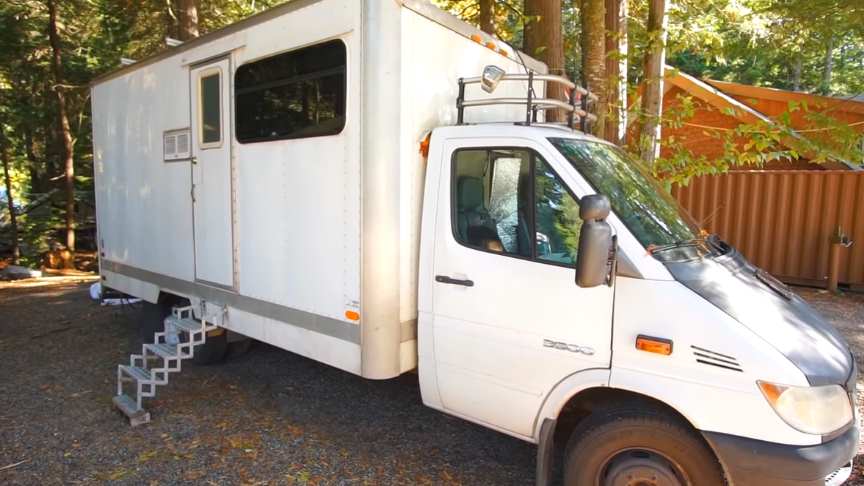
721 106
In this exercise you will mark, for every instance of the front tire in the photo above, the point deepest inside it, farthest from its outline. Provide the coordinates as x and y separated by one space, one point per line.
630 446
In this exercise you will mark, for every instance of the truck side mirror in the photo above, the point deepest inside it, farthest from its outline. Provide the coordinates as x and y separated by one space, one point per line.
595 242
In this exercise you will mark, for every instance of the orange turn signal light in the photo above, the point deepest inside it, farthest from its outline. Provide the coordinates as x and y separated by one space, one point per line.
654 345
352 315
424 145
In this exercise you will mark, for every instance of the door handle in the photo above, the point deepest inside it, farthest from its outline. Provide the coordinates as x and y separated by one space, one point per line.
454 281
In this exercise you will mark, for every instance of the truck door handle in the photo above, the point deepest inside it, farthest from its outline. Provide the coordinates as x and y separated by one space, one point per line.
454 281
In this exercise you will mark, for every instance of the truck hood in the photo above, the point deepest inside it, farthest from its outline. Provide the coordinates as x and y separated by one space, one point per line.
769 309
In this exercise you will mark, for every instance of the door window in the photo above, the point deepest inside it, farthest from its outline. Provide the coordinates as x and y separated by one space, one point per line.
510 201
557 217
210 94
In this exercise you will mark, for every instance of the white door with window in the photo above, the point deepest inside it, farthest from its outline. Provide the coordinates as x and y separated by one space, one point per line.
211 173
509 320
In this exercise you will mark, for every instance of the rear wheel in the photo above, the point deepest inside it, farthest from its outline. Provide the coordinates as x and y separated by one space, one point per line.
635 446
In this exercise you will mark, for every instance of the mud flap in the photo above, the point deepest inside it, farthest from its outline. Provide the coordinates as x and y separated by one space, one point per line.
545 451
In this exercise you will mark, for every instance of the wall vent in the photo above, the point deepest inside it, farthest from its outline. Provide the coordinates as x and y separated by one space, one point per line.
713 358
175 145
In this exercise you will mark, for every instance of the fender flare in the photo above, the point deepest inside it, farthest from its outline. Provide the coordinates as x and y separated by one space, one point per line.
566 389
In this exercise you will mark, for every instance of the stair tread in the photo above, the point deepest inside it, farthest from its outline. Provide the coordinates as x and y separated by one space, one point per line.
164 350
127 405
130 409
188 325
138 373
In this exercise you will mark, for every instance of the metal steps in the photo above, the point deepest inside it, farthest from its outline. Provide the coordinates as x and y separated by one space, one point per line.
151 368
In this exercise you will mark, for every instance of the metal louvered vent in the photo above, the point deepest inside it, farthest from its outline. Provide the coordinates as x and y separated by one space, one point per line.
713 358
183 143
176 144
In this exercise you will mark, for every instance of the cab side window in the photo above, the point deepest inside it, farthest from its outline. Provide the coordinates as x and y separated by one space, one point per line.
509 201
557 217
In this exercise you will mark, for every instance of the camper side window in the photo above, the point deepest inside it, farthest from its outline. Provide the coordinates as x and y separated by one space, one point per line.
297 94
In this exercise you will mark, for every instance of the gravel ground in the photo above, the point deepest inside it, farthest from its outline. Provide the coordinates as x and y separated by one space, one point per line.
263 417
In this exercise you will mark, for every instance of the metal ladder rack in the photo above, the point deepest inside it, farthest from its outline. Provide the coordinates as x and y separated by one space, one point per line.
151 368
578 106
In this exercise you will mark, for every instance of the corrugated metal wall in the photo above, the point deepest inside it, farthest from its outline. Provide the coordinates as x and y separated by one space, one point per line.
782 219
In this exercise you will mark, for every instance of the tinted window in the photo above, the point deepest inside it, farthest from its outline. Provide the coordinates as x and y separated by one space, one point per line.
293 95
510 201
211 120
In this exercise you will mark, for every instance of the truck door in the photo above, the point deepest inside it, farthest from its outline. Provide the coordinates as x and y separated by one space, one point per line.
211 173
509 321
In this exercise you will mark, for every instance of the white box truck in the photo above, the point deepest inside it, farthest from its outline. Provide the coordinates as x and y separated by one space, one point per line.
371 184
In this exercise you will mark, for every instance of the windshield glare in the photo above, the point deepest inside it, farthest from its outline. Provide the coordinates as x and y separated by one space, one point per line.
637 199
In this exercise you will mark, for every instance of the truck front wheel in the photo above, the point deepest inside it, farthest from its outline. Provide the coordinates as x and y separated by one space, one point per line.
633 446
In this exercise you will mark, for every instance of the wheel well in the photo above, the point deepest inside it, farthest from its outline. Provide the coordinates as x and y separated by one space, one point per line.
169 299
581 405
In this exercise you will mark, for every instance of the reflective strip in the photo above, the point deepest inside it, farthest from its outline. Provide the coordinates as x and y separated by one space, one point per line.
345 331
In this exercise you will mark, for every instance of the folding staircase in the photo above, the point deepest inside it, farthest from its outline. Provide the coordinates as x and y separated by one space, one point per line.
150 369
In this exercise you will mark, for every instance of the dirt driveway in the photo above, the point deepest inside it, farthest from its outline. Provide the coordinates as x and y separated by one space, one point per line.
264 417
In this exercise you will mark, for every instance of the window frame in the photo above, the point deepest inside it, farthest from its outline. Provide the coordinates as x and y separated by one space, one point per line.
531 217
204 73
283 82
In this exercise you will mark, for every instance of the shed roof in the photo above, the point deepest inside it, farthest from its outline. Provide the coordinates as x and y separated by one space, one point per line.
719 94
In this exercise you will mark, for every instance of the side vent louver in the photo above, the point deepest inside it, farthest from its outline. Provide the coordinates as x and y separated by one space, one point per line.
712 358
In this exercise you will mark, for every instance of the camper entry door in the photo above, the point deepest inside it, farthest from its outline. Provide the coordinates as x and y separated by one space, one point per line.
211 173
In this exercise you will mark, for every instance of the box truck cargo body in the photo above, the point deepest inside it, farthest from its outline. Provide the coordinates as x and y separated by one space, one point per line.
308 230
372 184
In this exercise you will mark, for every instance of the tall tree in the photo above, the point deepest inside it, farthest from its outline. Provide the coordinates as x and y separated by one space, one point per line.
544 41
188 18
593 19
616 70
486 18
65 131
652 83
10 202
828 68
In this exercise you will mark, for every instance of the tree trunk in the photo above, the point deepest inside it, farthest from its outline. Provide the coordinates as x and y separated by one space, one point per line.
188 18
13 219
616 69
829 66
487 16
543 40
796 73
65 131
593 17
652 85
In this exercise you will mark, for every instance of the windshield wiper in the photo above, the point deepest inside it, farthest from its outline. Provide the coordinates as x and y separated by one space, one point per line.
652 249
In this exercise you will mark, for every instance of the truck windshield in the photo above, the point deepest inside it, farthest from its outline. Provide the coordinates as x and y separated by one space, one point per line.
637 199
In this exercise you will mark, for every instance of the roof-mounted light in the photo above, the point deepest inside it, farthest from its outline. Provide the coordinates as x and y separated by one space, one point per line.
492 75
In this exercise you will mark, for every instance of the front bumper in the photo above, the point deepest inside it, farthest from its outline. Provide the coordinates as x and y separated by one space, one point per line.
751 462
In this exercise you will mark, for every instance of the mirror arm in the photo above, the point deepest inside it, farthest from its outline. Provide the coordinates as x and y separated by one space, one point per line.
613 261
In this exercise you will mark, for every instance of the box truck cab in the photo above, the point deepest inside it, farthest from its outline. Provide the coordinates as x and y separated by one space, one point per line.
678 360
330 178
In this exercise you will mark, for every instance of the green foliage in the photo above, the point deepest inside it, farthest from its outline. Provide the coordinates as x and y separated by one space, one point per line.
94 35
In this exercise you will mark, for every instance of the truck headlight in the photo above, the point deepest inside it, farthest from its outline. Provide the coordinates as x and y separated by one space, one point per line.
810 409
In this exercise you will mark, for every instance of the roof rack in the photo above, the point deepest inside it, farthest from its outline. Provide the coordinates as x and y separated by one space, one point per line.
578 105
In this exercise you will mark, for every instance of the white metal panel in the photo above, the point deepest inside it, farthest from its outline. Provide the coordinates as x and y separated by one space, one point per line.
489 338
211 180
712 398
142 203
298 200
